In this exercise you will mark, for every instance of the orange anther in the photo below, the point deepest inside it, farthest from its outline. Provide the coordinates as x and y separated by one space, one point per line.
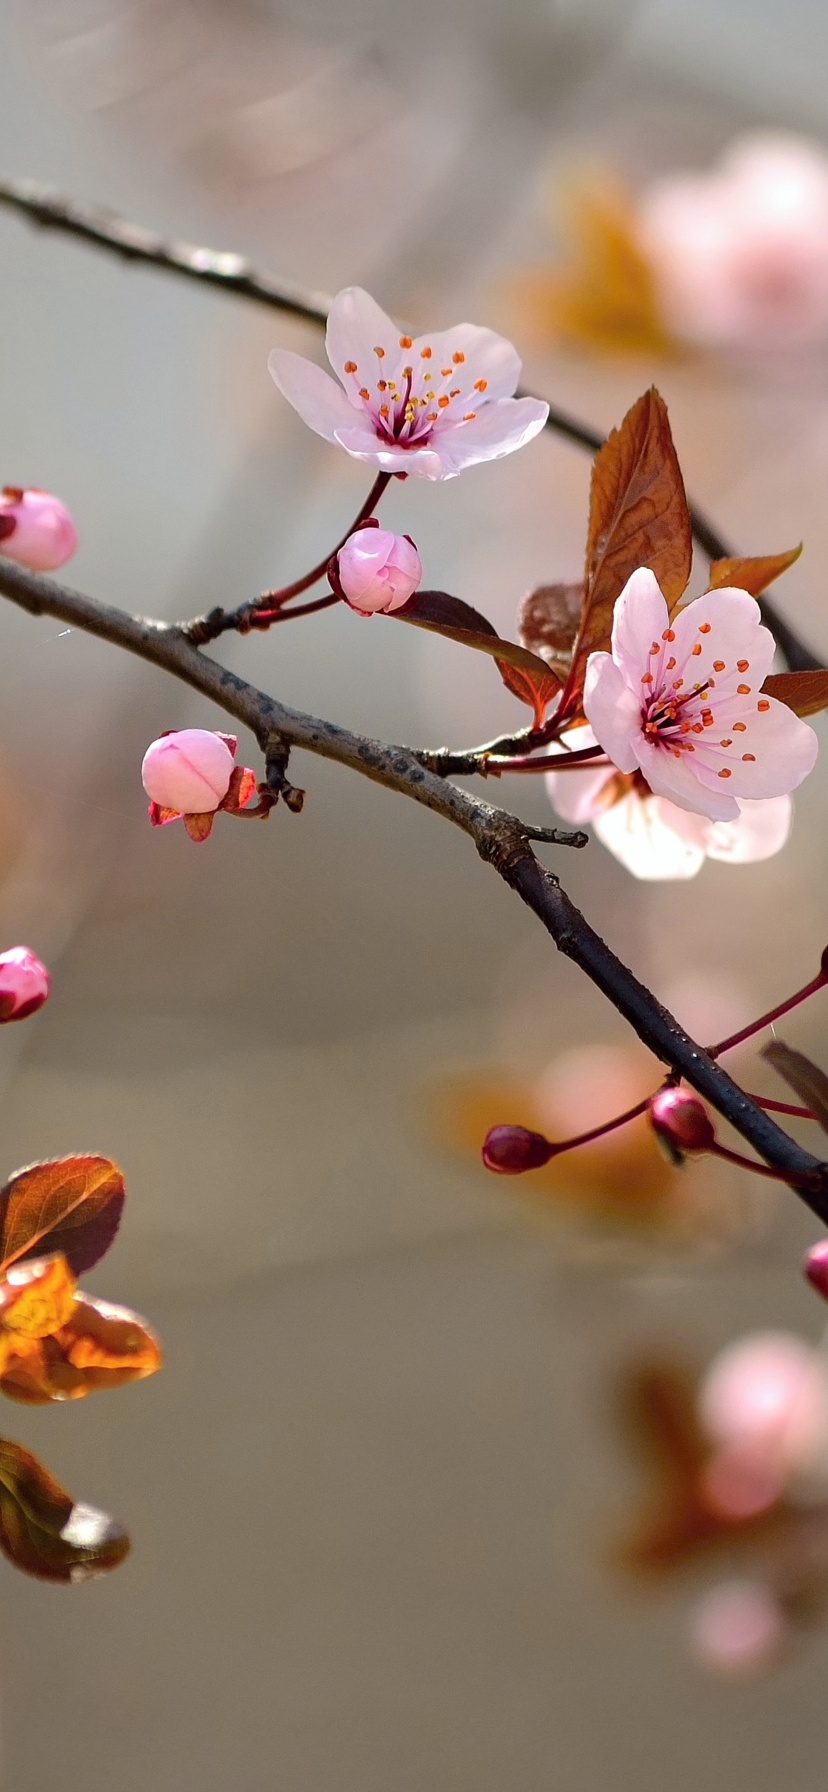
718 665
380 352
480 385
442 402
669 634
405 342
445 372
696 649
350 366
458 358
749 758
740 727
743 690
364 393
425 354
382 385
725 743
725 772
704 628
742 665
469 416
763 705
670 665
656 647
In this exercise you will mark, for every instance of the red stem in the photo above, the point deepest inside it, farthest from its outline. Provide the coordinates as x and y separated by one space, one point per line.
783 1107
810 989
803 1180
559 762
275 599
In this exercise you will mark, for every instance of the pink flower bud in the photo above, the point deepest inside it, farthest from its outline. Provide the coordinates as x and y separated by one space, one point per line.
815 1267
188 771
24 983
512 1149
681 1123
35 529
378 571
766 1397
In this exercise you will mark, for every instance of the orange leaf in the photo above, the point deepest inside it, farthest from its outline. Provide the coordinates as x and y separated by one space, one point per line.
240 789
804 692
604 295
199 827
523 673
638 517
44 1532
36 1298
71 1204
99 1346
752 574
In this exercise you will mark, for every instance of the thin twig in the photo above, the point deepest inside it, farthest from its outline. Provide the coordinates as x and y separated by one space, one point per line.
232 273
500 838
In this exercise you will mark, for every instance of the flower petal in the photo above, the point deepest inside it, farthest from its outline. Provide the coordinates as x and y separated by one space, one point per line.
321 403
771 754
677 776
723 626
363 443
357 327
499 429
646 835
613 711
761 830
639 620
576 796
483 356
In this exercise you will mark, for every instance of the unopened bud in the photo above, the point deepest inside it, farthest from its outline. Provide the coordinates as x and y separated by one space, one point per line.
681 1123
815 1267
24 983
35 529
188 770
512 1149
377 571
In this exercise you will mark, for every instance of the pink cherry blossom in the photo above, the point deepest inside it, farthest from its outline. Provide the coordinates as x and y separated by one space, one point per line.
35 529
651 837
24 983
766 1395
681 702
738 1629
426 405
378 571
740 255
188 770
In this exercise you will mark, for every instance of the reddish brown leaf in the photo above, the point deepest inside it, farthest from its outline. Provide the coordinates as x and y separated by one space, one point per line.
36 1299
44 1532
71 1204
638 517
806 1079
199 827
99 1346
752 574
548 622
804 692
240 789
523 673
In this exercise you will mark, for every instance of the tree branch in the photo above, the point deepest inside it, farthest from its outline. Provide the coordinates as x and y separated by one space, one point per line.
500 838
232 273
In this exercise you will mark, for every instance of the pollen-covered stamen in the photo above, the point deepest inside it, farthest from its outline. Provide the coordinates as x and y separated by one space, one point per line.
664 717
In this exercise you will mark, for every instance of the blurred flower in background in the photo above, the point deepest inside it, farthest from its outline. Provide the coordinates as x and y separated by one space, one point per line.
738 1459
732 259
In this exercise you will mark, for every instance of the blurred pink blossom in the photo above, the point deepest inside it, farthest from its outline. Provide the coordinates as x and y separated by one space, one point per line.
24 983
738 1629
740 255
766 1397
378 571
35 529
426 405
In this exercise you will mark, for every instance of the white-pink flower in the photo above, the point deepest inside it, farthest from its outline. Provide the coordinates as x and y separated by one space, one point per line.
426 405
740 255
681 701
650 836
35 528
377 570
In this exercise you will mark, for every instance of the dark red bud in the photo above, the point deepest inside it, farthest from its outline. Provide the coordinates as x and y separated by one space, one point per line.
681 1123
512 1149
815 1267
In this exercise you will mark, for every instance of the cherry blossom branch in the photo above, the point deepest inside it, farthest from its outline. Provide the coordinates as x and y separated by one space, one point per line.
231 273
501 839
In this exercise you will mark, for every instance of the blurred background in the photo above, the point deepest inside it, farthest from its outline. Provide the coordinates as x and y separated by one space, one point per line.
376 1495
